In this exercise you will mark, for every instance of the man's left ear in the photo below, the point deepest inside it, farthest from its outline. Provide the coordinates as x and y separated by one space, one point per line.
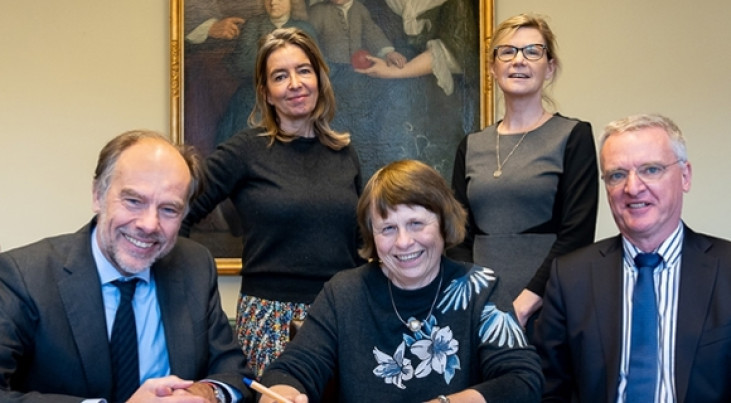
96 204
687 176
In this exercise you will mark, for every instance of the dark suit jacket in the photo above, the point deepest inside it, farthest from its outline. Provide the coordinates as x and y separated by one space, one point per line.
53 336
579 330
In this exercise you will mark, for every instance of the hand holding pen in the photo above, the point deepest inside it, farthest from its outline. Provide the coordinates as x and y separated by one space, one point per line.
272 394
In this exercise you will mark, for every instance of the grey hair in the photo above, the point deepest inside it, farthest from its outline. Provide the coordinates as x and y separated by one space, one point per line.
643 121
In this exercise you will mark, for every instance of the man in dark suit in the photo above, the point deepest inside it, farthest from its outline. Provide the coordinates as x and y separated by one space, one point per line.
59 297
608 332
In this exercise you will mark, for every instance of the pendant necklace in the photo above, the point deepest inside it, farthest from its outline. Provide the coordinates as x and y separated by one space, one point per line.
499 170
500 164
415 324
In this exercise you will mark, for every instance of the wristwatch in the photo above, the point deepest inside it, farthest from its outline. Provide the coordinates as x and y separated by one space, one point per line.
218 392
443 399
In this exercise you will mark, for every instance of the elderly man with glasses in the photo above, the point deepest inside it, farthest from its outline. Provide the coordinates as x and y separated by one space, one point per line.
644 316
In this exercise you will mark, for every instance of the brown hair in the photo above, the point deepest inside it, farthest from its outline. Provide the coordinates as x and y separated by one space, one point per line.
411 183
265 116
109 156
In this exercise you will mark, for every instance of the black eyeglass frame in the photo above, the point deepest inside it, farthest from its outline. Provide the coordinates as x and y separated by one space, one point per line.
544 51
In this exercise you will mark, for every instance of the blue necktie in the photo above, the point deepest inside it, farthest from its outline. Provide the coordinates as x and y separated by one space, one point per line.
642 375
123 345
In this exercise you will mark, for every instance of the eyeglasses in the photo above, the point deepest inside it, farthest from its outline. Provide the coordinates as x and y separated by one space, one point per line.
647 173
506 53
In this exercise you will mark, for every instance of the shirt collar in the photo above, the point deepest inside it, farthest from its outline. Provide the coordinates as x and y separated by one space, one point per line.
345 7
279 22
107 271
669 250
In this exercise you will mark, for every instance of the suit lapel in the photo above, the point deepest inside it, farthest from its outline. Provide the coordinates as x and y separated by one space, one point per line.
80 290
176 318
607 300
698 272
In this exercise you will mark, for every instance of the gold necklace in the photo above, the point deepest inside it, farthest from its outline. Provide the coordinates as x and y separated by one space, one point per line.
499 170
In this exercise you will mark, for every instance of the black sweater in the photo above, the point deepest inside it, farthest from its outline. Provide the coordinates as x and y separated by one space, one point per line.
353 331
296 202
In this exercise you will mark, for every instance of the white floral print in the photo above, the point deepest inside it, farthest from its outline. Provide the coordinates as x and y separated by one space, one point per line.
435 346
396 369
438 353
500 328
459 292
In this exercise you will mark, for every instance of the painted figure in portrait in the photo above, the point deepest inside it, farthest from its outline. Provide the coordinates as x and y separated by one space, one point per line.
416 97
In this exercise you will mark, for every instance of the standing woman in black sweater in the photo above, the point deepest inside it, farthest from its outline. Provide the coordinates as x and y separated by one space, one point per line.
295 184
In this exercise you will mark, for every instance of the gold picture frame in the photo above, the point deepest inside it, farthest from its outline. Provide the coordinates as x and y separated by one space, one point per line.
484 107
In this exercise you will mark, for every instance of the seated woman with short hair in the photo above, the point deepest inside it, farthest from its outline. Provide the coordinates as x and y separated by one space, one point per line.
411 325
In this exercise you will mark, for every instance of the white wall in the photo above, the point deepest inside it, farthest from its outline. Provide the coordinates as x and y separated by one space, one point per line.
673 57
74 74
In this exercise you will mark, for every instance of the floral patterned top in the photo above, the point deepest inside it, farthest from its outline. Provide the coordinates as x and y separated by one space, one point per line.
466 342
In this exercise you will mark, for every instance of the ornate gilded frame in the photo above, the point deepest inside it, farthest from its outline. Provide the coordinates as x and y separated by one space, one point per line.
232 265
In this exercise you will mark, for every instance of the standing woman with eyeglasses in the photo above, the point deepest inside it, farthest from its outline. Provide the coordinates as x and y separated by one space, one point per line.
529 181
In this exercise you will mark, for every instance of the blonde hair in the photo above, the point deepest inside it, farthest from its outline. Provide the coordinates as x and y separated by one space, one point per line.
508 28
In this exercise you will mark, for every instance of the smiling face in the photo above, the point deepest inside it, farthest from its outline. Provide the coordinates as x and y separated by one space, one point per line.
522 77
646 213
291 86
409 244
139 215
278 8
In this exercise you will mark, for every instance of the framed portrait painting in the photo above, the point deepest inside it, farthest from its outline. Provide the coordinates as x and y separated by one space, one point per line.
442 94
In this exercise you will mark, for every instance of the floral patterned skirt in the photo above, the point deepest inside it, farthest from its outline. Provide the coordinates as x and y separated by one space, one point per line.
262 328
